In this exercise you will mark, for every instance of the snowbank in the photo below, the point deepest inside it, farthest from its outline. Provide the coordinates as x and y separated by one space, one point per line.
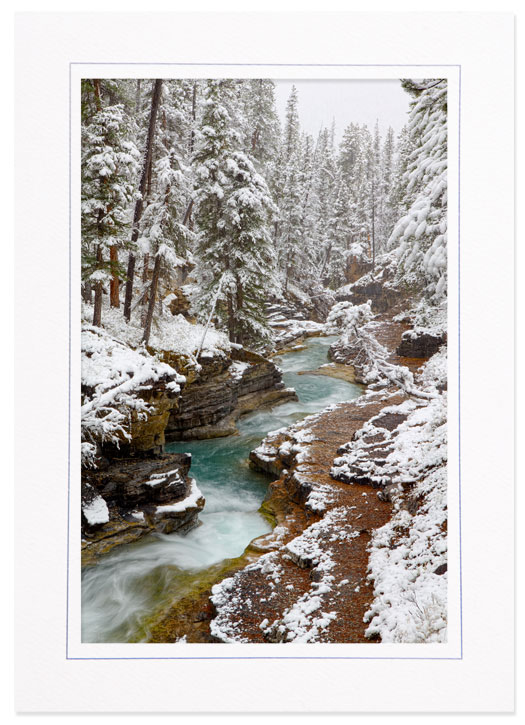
408 555
168 332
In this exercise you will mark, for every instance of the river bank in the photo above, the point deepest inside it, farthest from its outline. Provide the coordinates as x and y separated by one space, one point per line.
311 582
285 561
230 519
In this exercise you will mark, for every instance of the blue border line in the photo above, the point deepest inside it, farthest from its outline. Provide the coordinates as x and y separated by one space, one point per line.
290 65
459 371
69 386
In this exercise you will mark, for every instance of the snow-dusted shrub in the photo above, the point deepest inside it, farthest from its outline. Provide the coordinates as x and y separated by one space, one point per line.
354 323
112 377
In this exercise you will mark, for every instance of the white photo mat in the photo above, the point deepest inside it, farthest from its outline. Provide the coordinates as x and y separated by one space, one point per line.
474 668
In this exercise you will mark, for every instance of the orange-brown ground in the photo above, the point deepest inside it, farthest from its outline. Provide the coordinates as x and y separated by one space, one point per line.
262 598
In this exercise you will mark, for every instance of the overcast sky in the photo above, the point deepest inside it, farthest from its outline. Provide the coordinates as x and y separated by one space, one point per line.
348 101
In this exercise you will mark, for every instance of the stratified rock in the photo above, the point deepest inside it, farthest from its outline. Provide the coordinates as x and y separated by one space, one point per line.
296 304
147 434
382 297
136 497
178 303
356 267
223 390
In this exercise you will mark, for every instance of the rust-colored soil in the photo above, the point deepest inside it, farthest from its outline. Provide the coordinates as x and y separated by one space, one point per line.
261 597
365 512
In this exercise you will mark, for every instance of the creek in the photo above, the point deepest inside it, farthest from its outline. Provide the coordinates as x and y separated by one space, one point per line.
128 585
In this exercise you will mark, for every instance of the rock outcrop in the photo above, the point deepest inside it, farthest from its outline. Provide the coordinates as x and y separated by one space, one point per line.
310 583
147 432
224 389
420 344
356 267
134 487
381 296
297 305
126 499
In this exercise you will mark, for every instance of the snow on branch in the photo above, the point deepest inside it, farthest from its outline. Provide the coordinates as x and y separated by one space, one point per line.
372 357
112 377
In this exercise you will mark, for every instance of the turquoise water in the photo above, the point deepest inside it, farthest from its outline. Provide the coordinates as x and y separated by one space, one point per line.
132 581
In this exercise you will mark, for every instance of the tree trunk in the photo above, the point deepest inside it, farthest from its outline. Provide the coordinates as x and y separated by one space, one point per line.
145 296
97 307
187 215
87 292
145 268
96 88
326 261
231 318
240 304
152 297
193 116
139 204
114 286
137 97
373 225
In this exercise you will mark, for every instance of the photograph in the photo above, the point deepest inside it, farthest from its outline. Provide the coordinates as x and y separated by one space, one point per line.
264 372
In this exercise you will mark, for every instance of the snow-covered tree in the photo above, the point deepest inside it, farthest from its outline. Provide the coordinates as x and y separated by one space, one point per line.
387 215
234 247
420 236
262 130
109 167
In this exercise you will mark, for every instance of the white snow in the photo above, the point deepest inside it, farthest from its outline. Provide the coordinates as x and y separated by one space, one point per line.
96 511
112 374
410 599
189 502
237 369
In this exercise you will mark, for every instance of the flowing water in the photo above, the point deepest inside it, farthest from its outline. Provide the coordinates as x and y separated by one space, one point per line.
122 591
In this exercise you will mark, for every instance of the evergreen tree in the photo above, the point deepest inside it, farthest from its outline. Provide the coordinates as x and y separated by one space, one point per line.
398 199
145 181
289 192
234 249
388 213
109 166
164 237
421 234
262 129
327 178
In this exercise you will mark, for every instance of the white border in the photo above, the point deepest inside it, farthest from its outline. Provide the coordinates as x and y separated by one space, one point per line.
483 679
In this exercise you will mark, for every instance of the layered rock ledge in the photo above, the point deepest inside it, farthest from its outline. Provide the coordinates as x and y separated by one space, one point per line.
221 391
126 499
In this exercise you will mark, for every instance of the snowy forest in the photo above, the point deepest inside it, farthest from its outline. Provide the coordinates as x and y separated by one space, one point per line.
264 367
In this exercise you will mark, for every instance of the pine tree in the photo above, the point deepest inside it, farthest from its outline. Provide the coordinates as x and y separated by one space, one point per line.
289 190
233 203
109 165
327 178
164 238
388 214
398 199
421 234
261 129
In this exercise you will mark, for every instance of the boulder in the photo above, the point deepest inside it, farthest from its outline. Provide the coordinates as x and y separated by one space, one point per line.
424 345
